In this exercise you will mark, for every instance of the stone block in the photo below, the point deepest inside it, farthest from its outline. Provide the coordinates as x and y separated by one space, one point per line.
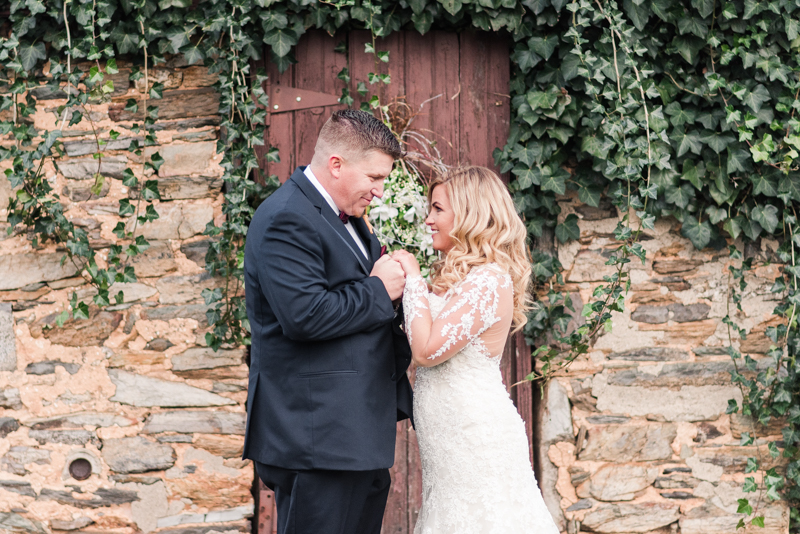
78 333
676 375
203 362
608 419
89 146
49 367
186 187
64 437
196 251
18 486
82 191
186 124
139 390
19 270
709 519
202 422
183 159
8 341
86 168
650 354
157 260
13 522
170 78
173 105
557 417
158 344
194 137
227 446
131 358
100 498
589 266
197 76
15 460
80 420
75 524
744 423
9 398
630 518
675 265
733 458
618 482
7 426
676 481
137 455
180 289
693 312
630 442
673 283
650 314
176 221
583 504
185 311
5 193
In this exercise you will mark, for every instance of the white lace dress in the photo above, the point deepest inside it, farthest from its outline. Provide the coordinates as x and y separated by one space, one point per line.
476 472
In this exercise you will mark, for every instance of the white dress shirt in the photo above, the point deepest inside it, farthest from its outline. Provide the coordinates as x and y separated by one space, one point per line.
350 228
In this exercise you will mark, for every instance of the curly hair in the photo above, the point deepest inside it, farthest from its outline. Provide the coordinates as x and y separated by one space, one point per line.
486 229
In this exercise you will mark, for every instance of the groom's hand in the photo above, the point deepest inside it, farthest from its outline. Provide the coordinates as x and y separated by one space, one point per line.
391 274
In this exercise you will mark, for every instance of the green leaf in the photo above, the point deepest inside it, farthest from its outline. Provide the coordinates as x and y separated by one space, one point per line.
29 53
544 46
790 185
639 13
699 233
680 195
525 58
280 40
755 99
568 230
744 507
541 100
717 141
738 160
766 216
555 182
758 521
764 185
687 141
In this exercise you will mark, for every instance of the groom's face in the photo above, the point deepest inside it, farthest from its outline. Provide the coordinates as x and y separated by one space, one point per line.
360 179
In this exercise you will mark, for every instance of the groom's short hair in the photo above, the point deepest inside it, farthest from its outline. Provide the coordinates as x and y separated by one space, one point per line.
354 133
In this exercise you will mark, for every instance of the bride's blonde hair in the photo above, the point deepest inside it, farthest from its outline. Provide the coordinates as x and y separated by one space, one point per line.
486 229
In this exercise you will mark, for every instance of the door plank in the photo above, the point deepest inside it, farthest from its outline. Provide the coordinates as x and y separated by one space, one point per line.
281 127
316 70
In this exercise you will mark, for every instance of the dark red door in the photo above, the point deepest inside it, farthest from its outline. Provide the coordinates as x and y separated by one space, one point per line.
456 88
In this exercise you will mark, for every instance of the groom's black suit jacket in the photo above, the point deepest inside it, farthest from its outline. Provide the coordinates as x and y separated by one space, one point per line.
328 359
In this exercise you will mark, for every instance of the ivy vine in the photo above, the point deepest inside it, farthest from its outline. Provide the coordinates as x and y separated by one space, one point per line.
669 108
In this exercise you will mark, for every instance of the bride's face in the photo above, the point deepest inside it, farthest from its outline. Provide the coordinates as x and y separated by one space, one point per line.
441 220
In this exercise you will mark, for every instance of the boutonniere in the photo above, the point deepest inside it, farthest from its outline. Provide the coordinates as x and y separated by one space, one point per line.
383 250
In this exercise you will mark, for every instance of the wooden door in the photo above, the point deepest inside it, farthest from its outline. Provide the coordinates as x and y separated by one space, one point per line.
457 86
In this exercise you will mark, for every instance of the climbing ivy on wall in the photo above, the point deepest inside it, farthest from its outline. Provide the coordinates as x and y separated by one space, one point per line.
681 108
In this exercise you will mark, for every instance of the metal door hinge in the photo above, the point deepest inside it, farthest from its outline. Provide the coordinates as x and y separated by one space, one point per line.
283 99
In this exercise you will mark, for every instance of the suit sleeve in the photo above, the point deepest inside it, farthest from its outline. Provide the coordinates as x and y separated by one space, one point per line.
292 275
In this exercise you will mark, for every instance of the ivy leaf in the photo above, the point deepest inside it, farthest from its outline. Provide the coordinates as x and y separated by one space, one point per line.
541 100
758 521
679 195
792 26
526 176
704 7
192 54
766 216
525 58
764 185
694 173
543 46
568 230
527 154
755 99
639 13
738 160
679 116
790 185
555 182
589 195
451 6
699 233
693 25
687 141
716 215
717 141
281 41
29 53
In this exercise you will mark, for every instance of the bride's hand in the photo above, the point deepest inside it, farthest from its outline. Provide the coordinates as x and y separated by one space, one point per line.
407 261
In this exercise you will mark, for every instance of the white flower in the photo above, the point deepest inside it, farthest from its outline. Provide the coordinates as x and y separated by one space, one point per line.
410 214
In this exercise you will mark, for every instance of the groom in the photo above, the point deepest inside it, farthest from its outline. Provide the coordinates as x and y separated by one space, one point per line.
328 359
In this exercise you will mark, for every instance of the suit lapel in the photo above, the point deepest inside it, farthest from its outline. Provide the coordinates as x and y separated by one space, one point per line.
370 240
331 218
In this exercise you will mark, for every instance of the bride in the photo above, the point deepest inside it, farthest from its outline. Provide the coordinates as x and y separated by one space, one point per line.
476 472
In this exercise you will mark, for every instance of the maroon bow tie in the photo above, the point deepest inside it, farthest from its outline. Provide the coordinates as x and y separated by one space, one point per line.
344 217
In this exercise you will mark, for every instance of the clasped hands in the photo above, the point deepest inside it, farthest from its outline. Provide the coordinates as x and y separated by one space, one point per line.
392 270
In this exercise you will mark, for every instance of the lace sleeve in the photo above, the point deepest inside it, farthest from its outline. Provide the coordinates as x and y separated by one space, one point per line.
415 304
471 310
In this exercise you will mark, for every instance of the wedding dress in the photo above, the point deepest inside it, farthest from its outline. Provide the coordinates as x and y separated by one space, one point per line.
476 472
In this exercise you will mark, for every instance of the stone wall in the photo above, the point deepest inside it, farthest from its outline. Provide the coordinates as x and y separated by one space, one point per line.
634 438
131 398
